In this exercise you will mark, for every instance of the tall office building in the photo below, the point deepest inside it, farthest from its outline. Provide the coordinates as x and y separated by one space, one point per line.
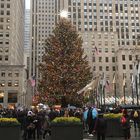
105 25
11 51
43 21
27 40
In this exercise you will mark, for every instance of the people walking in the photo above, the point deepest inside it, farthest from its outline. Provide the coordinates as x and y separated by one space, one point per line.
100 127
135 115
125 122
91 119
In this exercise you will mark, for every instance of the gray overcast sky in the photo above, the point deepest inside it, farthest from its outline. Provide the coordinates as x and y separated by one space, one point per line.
27 4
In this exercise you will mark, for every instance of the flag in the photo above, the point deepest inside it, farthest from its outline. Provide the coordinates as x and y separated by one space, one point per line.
96 50
32 80
107 85
91 86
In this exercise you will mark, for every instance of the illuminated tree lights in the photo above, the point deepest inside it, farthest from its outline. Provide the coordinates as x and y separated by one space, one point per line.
64 70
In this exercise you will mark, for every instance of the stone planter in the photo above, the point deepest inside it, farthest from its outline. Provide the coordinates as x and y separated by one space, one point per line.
10 132
114 128
66 132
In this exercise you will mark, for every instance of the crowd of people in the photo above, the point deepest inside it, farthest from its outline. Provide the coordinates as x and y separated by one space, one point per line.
36 124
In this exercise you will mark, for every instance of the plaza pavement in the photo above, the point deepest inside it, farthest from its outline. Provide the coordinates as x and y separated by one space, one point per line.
134 136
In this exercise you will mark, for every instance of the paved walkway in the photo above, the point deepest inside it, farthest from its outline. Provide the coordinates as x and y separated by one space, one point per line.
135 136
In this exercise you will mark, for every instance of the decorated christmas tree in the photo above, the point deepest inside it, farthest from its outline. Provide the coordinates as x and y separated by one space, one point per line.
64 69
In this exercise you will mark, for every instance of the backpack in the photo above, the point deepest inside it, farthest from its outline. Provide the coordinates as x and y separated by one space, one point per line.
123 120
136 114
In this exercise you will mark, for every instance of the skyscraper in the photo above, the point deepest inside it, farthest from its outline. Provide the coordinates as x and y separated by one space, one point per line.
27 40
106 25
11 51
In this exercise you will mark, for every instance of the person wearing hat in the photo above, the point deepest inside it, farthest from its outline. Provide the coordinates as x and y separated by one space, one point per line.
100 127
30 125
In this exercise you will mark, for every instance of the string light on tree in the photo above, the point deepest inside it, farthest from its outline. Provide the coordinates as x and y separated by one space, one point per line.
64 70
64 14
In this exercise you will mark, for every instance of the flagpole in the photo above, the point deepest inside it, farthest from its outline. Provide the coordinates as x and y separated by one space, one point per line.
137 90
114 85
104 94
132 95
115 94
101 96
124 94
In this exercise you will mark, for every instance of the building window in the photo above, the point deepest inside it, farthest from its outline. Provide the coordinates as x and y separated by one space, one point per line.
16 74
8 5
113 68
113 59
106 50
130 57
94 68
2 74
16 83
2 5
1 19
9 83
100 59
130 67
107 68
10 74
100 68
12 97
6 58
8 12
106 59
2 83
123 57
2 12
93 60
124 67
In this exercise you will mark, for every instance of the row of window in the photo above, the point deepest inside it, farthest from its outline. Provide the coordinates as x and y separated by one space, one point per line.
9 83
106 59
12 97
113 58
107 68
2 27
2 12
6 19
4 58
2 34
9 74
5 5
2 42
106 11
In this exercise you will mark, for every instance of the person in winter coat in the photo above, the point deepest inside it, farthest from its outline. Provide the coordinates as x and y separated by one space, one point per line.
46 126
135 116
100 127
30 125
91 119
125 122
